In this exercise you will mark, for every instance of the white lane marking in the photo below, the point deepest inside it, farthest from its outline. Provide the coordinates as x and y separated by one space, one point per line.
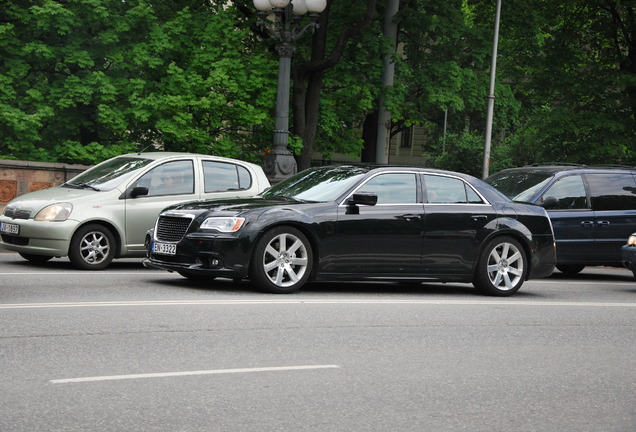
310 301
190 373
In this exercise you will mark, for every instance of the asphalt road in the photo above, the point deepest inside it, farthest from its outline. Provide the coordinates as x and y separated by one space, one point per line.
133 349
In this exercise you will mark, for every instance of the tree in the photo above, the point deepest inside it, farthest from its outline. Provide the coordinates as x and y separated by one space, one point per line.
87 79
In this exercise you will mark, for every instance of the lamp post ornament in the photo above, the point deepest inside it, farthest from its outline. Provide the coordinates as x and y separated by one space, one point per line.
286 28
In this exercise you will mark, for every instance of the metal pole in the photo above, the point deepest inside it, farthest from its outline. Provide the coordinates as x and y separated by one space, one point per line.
491 94
280 163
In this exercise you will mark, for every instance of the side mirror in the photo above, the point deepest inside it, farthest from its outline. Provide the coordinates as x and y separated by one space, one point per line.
363 198
138 191
550 203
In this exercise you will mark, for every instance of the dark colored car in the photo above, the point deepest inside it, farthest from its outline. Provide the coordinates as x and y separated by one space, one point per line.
359 223
628 254
593 209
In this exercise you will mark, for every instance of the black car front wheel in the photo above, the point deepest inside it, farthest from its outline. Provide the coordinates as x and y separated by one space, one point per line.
570 269
282 260
35 258
502 267
92 247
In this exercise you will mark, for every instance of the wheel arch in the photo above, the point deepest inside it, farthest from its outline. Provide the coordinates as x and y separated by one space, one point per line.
522 238
108 225
303 228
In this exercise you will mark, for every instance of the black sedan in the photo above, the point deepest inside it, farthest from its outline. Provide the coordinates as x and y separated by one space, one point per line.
359 223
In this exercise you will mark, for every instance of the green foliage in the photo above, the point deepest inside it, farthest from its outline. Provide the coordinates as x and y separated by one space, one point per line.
87 79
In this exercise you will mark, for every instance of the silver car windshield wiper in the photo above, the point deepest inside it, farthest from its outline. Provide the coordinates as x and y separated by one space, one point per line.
82 186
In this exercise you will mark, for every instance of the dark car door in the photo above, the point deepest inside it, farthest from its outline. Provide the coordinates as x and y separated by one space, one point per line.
457 219
613 197
573 220
385 238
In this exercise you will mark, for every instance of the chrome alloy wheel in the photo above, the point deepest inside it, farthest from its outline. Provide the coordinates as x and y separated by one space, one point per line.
94 247
505 266
285 260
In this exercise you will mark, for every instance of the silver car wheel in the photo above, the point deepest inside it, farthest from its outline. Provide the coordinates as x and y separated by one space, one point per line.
505 266
285 260
94 247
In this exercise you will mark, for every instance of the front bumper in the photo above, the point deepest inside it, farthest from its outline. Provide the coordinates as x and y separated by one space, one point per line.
210 256
39 238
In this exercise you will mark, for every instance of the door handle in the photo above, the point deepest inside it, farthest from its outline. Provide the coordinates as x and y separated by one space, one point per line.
410 217
587 224
603 223
478 217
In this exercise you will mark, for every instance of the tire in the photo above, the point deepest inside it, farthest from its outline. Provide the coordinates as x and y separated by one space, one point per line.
92 247
502 267
570 269
35 258
282 261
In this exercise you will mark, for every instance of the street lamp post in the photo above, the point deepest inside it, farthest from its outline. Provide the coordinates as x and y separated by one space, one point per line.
285 28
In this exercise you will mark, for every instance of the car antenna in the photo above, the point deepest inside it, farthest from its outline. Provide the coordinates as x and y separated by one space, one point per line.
144 149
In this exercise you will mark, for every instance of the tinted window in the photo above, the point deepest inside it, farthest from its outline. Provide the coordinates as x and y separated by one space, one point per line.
171 178
392 188
612 191
448 190
570 191
222 176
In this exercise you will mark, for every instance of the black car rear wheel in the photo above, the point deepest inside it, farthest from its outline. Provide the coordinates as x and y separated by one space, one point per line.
282 260
570 269
502 267
35 258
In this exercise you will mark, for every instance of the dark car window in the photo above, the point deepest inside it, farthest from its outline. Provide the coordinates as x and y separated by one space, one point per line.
170 178
222 176
519 186
570 191
448 190
393 188
612 191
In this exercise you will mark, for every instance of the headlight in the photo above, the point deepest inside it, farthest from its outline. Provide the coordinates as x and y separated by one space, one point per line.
55 212
632 240
223 224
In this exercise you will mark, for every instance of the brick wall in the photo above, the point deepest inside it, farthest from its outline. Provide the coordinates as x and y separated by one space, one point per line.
21 177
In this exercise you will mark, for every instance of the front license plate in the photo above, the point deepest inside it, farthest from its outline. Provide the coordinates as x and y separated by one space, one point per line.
8 228
164 248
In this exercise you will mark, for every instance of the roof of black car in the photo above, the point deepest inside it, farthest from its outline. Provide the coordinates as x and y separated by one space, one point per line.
552 168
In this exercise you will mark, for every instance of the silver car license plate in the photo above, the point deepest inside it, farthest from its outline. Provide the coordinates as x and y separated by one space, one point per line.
164 248
8 228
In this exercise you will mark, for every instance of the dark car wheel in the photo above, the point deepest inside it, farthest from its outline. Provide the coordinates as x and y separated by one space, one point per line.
502 267
35 258
92 247
282 260
570 269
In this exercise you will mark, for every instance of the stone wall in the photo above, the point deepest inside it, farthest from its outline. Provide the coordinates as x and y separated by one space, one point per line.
21 177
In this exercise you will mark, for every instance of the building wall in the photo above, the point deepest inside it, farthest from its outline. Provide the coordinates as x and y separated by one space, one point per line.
21 177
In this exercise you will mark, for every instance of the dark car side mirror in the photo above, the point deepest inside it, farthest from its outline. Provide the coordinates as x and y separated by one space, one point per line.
138 191
363 198
550 203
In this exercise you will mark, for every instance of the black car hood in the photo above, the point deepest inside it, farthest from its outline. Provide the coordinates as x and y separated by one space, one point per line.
234 204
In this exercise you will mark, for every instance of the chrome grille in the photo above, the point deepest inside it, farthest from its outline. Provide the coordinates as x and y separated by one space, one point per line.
172 229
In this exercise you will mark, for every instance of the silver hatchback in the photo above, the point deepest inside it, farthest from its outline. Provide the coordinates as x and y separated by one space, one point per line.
104 212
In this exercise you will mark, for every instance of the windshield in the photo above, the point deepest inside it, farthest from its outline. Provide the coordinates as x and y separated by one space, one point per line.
317 184
519 186
109 174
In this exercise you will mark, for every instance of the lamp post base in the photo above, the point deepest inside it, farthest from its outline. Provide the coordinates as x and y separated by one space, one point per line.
279 164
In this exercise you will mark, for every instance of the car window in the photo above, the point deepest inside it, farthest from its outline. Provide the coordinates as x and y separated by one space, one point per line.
170 178
570 191
223 176
393 188
612 191
448 190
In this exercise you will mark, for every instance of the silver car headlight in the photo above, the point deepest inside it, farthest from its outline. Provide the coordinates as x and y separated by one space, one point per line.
631 240
223 224
55 212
